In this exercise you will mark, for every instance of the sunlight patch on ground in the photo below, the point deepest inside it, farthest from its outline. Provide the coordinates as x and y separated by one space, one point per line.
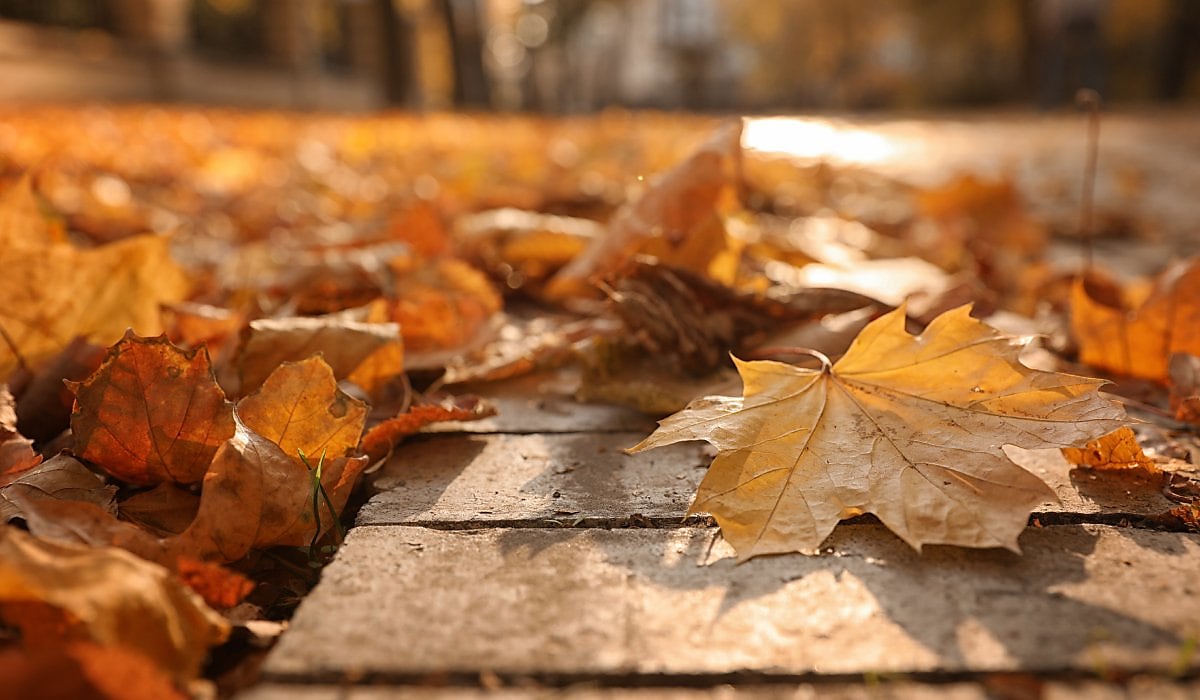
818 139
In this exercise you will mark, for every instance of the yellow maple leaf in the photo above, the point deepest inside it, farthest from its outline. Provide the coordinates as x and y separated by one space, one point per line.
909 428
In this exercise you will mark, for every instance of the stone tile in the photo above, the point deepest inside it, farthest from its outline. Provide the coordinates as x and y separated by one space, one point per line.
498 479
538 404
509 479
876 689
404 602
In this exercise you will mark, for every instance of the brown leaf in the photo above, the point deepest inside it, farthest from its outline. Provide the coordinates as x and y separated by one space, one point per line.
152 413
908 428
83 523
1184 370
676 313
61 478
369 354
16 451
1116 450
57 293
678 219
44 406
523 247
381 438
300 408
521 346
113 598
164 510
256 496
1136 336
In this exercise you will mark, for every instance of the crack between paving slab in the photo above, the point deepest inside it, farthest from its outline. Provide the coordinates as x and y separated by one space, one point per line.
492 680
1123 520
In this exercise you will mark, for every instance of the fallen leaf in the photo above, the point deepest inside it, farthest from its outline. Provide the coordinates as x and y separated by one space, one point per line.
61 478
370 355
676 313
16 450
112 598
1184 371
152 413
523 248
57 293
521 346
44 406
909 428
1136 336
164 510
22 223
381 438
442 304
1116 450
301 409
678 220
256 496
84 670
219 587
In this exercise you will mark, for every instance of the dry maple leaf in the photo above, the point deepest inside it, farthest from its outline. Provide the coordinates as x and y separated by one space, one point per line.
909 428
381 438
56 293
1136 337
152 413
111 597
300 408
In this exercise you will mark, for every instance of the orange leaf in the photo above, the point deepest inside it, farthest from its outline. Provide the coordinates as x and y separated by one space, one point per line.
113 598
1185 387
1116 450
300 407
256 496
152 413
1136 339
679 219
84 670
218 586
380 439
442 305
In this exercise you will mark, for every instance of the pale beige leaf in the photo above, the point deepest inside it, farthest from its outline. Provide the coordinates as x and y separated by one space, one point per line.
115 597
909 428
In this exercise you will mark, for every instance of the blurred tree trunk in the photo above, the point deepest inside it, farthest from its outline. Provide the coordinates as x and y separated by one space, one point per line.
465 32
399 64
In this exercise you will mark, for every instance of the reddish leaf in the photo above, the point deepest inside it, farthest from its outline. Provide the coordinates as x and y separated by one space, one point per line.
380 439
218 586
84 670
152 413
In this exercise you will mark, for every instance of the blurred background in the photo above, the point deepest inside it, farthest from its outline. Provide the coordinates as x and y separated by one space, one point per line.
575 56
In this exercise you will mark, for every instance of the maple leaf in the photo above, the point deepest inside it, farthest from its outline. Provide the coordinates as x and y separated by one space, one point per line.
1135 335
153 412
909 428
382 437
300 408
56 293
108 596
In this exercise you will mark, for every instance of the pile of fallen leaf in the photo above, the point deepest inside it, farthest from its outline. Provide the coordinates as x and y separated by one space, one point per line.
216 323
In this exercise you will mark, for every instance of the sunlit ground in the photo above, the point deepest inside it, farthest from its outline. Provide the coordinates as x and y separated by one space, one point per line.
821 139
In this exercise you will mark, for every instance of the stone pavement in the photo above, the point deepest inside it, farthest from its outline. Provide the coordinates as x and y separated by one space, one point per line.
532 557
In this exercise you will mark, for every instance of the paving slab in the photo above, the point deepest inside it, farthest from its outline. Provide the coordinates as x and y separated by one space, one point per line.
872 689
401 603
584 478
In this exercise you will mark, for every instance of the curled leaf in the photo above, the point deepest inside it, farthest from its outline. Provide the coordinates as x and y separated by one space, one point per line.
61 478
1116 450
381 438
